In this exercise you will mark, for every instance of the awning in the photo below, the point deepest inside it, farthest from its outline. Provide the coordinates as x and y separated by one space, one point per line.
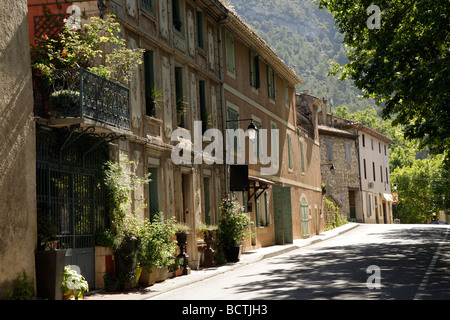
259 185
387 197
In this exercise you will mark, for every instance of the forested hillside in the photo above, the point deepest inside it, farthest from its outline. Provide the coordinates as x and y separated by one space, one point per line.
305 38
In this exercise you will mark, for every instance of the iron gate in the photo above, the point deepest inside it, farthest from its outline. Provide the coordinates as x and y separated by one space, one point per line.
71 198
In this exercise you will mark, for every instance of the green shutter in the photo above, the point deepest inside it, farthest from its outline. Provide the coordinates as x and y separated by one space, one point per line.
153 205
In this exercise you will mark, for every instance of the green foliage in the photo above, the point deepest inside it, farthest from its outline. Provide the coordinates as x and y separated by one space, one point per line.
304 37
120 181
423 189
156 245
338 220
23 288
79 48
403 65
234 224
73 283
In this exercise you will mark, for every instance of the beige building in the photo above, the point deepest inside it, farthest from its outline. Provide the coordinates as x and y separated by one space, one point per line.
209 68
284 204
375 177
17 148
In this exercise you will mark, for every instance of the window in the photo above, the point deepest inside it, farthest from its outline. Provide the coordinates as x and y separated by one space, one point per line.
257 150
387 179
203 110
274 140
147 5
371 143
179 96
262 210
373 169
379 147
302 158
229 41
330 149
365 172
363 140
381 173
289 151
286 95
347 151
271 85
200 33
207 201
149 80
176 15
385 153
233 114
254 70
153 205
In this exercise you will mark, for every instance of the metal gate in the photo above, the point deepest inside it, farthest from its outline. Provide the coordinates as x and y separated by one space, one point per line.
70 194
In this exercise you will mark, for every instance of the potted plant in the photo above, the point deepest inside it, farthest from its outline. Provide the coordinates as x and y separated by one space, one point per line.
155 97
127 247
207 232
73 284
157 249
49 259
234 227
181 231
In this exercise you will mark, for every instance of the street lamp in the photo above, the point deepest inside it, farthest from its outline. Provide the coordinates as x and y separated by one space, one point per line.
251 129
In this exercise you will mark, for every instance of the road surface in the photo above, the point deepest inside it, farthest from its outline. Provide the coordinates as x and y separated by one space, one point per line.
400 262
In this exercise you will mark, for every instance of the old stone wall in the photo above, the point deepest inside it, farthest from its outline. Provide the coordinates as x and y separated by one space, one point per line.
17 147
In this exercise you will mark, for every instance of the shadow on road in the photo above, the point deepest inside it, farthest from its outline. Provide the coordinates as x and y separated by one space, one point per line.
340 272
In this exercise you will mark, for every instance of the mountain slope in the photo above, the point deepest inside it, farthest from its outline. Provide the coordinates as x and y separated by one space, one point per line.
305 38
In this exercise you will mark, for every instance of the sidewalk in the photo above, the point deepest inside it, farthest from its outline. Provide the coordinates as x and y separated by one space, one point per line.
247 257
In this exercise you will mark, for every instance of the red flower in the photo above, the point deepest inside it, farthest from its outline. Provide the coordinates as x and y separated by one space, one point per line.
64 53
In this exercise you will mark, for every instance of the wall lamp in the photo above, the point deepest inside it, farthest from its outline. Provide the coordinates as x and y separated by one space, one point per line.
332 168
251 129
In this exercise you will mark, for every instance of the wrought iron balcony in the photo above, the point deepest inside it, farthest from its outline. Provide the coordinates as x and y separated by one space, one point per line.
78 93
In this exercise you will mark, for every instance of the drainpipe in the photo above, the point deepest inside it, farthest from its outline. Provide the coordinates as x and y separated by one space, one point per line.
360 177
221 22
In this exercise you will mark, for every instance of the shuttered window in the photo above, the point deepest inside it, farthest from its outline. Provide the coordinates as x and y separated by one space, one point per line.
330 149
153 205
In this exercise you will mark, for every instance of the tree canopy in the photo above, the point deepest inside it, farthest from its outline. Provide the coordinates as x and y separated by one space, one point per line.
403 64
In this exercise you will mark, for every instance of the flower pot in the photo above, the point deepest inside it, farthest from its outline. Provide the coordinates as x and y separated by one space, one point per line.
162 274
232 254
148 277
49 273
178 272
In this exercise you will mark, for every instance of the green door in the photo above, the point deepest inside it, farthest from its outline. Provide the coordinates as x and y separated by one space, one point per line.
282 214
305 218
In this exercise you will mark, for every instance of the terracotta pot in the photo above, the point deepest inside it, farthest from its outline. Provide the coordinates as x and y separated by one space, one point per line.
148 278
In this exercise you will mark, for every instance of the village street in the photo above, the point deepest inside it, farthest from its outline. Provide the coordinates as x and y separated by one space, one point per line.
407 262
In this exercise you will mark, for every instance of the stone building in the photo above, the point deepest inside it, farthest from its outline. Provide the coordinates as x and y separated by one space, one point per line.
339 164
373 202
17 155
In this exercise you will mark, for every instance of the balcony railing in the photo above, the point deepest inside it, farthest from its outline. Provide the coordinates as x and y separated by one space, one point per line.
78 93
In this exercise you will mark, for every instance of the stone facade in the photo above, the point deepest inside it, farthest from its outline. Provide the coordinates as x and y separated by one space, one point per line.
340 170
17 147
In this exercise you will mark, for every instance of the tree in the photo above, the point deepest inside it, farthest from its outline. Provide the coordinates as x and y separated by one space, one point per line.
403 65
423 190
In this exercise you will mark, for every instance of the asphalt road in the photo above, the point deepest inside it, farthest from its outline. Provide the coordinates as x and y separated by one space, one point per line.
398 262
